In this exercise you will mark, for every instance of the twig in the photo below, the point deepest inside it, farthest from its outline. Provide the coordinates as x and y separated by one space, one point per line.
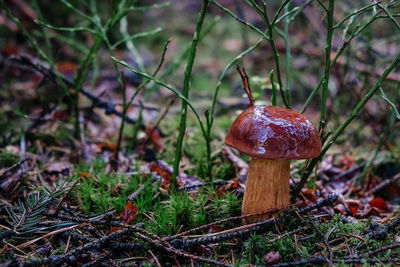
4 235
4 171
255 227
76 237
378 250
154 258
216 182
158 242
298 230
50 234
246 84
321 260
132 196
66 258
215 223
349 171
117 246
170 103
67 245
99 261
385 183
37 66
167 247
325 239
325 81
66 195
106 216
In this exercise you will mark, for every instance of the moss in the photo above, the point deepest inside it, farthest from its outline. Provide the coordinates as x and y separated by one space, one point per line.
58 251
7 159
101 192
225 206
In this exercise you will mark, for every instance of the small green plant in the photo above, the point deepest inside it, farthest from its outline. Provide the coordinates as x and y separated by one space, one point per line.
31 209
7 159
101 192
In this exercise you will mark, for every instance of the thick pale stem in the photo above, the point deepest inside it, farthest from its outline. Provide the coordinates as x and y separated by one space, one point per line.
267 187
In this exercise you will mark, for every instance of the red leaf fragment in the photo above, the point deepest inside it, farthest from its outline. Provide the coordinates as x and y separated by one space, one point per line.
378 203
113 229
353 207
66 67
10 50
233 184
154 134
348 162
129 212
215 228
310 195
164 171
353 210
108 146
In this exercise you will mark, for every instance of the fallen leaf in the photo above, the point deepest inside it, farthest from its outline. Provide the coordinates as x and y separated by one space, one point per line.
215 228
353 210
154 134
113 229
108 146
353 207
57 167
378 203
129 212
66 67
348 162
85 175
164 170
233 184
310 195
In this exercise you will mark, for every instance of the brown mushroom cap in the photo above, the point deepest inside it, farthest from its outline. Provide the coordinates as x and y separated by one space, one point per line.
271 132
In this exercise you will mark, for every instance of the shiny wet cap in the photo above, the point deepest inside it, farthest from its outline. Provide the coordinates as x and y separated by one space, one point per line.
272 132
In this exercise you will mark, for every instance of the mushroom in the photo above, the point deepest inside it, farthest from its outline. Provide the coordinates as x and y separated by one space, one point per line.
272 136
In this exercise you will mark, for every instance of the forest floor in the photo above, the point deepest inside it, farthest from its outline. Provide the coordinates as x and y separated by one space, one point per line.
87 177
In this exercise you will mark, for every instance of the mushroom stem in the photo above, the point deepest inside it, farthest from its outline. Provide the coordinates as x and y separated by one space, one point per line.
267 187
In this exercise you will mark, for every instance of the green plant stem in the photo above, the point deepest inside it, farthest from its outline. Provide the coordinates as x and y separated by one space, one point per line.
359 11
223 74
79 79
169 87
210 116
338 53
384 135
263 13
233 15
284 94
325 81
175 62
24 32
288 58
341 128
130 44
273 96
186 86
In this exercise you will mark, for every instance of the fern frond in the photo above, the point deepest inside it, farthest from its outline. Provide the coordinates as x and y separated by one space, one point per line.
31 210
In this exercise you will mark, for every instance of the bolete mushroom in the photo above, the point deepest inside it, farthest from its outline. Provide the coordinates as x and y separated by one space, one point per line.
272 136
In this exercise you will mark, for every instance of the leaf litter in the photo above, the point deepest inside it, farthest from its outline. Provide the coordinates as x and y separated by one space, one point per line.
356 222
